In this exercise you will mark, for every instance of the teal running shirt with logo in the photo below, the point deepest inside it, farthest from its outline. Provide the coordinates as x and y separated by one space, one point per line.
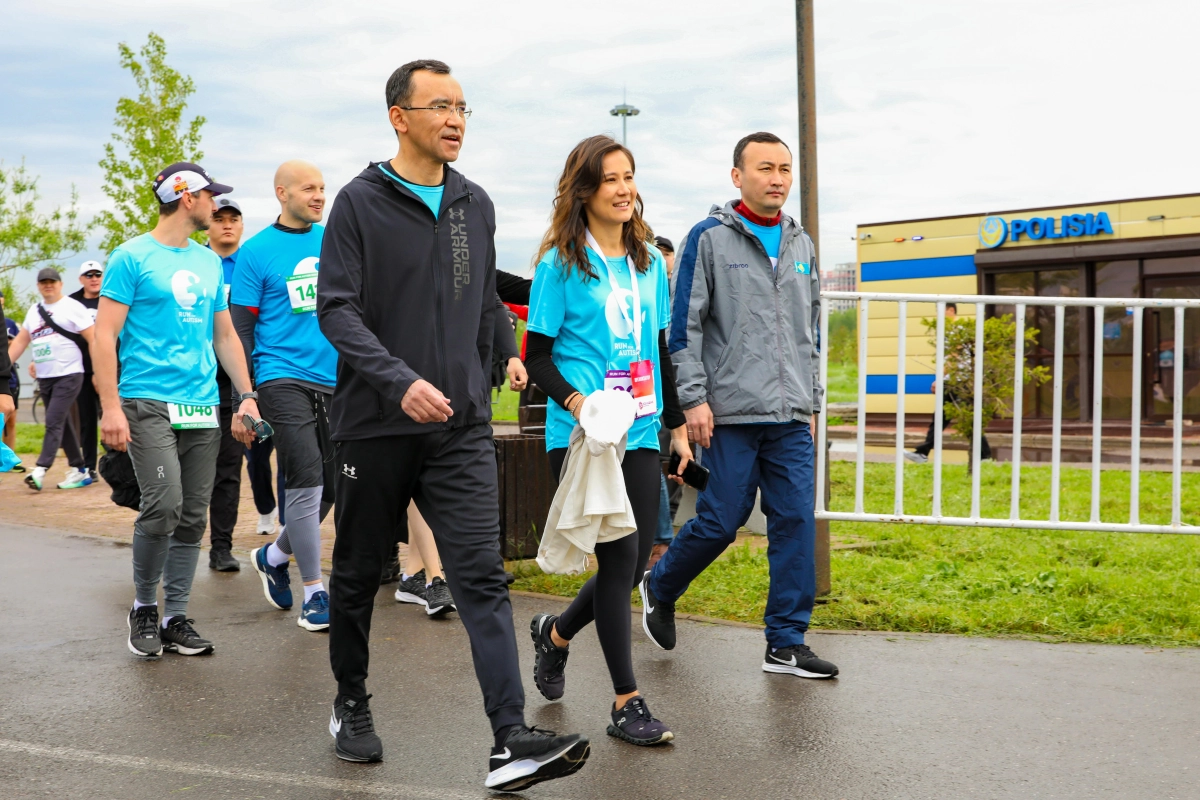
277 274
173 294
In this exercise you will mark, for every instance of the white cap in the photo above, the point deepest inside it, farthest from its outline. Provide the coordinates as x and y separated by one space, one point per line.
90 266
223 203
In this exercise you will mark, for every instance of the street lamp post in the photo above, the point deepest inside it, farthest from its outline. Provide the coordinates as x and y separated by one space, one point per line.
624 111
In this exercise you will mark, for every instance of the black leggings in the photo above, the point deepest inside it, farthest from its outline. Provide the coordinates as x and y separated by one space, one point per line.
605 597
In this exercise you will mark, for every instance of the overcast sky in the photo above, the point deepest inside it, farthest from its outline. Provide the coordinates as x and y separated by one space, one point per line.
925 107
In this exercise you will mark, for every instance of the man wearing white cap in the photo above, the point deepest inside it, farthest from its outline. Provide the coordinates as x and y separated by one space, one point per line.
58 328
164 295
87 404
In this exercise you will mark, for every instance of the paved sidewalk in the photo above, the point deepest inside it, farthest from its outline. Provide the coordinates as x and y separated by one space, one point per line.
911 716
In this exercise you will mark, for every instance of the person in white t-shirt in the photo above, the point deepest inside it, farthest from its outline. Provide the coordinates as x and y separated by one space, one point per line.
55 327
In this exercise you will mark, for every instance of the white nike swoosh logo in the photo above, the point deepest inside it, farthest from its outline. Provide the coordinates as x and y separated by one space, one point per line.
791 663
337 726
506 754
649 608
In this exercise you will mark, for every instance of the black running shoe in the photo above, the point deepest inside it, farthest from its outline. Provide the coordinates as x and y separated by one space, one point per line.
144 638
549 660
658 616
354 729
180 637
798 660
635 724
391 570
437 598
223 561
412 589
531 756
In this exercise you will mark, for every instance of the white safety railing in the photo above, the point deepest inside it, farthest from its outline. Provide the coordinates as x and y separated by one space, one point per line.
1015 518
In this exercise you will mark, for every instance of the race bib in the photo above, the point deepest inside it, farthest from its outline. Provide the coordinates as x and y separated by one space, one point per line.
43 353
638 380
642 376
302 292
185 416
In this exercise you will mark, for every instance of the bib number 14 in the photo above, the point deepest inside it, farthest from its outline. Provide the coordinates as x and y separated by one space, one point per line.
302 292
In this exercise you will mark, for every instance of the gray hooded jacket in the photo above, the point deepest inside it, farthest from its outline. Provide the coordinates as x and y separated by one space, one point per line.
744 335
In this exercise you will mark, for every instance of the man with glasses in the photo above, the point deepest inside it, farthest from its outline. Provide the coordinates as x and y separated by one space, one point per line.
87 404
164 296
407 294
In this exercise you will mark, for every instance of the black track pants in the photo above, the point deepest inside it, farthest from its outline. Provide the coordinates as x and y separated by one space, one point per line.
605 597
227 488
452 477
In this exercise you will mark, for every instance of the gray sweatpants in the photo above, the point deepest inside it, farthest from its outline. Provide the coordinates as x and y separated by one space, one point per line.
58 395
175 471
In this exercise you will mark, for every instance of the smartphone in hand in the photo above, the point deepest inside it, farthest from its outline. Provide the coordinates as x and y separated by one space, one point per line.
694 475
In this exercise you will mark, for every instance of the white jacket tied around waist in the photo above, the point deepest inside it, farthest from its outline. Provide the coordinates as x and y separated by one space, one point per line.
591 505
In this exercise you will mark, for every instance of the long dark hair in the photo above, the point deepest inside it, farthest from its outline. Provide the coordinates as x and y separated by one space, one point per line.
581 178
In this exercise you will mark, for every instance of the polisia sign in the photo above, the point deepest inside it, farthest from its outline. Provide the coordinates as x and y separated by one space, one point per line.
995 231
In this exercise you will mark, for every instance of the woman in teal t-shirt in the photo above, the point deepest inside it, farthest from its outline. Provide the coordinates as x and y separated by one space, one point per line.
598 315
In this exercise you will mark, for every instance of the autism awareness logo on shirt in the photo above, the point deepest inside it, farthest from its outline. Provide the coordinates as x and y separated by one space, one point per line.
617 313
181 283
307 266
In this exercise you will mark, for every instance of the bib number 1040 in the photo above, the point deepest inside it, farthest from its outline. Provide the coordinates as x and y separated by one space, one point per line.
302 292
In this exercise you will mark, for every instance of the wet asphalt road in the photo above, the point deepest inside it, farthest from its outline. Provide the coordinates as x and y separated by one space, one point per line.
912 716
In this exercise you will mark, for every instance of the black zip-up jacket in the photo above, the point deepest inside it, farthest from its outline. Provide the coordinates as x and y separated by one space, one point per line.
403 296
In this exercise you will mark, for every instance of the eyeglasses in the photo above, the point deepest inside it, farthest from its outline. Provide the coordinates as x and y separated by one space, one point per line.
93 274
462 111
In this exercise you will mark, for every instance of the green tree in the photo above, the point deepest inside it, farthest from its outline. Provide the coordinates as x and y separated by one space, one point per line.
150 135
31 238
999 362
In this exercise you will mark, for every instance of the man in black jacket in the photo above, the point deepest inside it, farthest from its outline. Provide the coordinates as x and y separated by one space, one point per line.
407 296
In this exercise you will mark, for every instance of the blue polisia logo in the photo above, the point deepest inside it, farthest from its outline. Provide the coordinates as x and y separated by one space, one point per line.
803 268
992 232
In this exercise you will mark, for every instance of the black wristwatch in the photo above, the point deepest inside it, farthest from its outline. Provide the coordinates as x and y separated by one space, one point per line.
248 396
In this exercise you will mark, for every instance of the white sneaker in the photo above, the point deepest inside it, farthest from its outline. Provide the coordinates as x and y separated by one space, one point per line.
267 523
76 479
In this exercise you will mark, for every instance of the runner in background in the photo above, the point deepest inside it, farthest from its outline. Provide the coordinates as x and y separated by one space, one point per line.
669 491
59 328
224 238
87 405
295 368
164 296
12 386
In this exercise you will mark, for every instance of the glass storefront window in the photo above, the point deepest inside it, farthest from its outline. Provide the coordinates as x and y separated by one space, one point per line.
1118 279
1170 266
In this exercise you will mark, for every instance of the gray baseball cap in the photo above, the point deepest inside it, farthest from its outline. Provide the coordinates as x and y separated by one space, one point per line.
223 203
48 274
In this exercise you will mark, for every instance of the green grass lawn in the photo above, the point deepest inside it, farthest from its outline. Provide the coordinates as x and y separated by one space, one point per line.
843 383
1119 588
29 437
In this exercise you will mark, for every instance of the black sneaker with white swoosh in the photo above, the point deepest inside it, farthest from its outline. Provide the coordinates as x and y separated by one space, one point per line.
798 660
658 616
353 727
532 755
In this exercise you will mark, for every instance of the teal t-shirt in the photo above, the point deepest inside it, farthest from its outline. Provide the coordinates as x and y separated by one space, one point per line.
270 276
167 342
430 195
592 336
769 235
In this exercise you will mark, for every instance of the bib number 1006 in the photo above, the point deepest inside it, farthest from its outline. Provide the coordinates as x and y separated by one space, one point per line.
302 292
